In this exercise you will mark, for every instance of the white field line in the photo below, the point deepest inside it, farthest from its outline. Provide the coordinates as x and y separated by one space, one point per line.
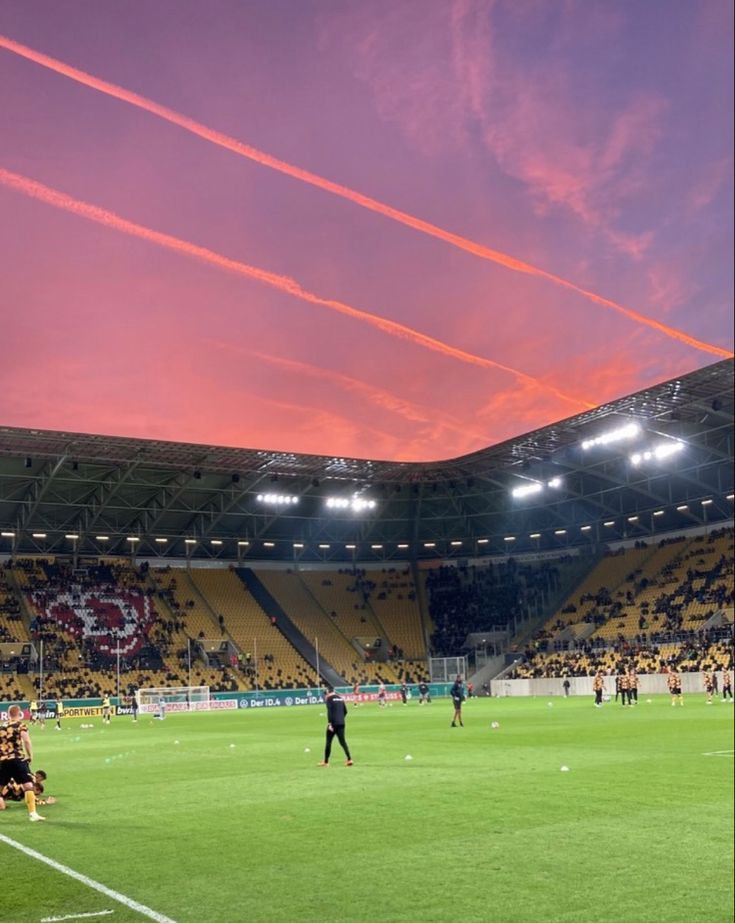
76 916
89 882
719 753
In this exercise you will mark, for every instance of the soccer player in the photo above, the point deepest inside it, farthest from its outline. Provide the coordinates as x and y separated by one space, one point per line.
106 710
457 694
16 753
336 718
632 687
726 685
134 705
381 696
33 710
13 791
622 685
404 693
674 682
709 685
59 714
598 687
424 697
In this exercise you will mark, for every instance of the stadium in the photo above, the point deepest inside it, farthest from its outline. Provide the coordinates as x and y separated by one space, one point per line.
505 585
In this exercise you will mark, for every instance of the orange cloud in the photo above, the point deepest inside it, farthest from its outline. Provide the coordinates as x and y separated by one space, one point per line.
560 186
108 219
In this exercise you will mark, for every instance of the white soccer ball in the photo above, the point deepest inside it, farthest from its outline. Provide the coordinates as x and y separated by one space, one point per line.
564 769
307 749
495 725
408 757
550 704
232 746
176 741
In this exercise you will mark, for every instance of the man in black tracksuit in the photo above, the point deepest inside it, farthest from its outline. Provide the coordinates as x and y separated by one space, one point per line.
336 716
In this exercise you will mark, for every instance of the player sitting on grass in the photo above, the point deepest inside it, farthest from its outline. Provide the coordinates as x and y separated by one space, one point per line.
14 792
16 753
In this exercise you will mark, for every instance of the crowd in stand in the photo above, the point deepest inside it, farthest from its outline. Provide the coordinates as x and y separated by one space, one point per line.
473 598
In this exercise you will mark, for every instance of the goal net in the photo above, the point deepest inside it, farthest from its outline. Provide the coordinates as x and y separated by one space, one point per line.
173 698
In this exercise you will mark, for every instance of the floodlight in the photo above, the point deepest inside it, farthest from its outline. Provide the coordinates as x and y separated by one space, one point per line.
707 502
482 541
403 546
215 541
298 545
7 534
102 538
350 547
730 497
629 431
535 535
585 528
269 544
39 535
455 544
509 538
376 547
324 547
560 532
659 512
161 541
682 509
658 452
272 499
527 489
429 544
132 539
72 536
190 541
354 503
632 519
554 482
610 522
243 544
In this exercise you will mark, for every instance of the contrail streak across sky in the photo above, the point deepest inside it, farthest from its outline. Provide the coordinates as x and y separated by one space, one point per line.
110 220
425 227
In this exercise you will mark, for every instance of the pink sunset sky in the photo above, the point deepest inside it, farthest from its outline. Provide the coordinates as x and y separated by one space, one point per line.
396 229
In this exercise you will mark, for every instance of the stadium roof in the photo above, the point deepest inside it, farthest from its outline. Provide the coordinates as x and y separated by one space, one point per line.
174 500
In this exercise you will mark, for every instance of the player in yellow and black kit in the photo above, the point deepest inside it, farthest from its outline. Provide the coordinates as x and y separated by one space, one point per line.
623 687
106 709
709 685
16 753
674 683
726 685
598 687
59 714
632 687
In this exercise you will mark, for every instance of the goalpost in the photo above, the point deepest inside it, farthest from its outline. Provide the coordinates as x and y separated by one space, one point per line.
173 698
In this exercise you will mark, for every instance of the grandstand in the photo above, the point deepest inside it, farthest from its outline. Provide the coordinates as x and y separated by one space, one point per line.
616 555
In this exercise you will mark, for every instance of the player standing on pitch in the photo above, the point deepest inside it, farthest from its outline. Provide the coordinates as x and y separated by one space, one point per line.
16 753
457 694
336 717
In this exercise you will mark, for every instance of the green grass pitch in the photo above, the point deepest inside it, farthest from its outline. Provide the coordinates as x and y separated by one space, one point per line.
225 817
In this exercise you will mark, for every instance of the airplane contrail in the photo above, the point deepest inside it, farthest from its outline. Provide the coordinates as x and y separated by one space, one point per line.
313 179
61 200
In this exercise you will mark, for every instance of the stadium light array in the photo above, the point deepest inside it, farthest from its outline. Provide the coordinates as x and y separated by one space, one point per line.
71 536
324 546
632 519
38 535
585 528
657 453
102 538
659 512
350 547
277 499
560 532
215 541
455 544
131 538
622 433
707 502
429 544
509 538
298 545
161 541
376 547
483 541
609 523
682 509
242 544
190 541
7 534
535 535
730 497
403 546
355 504
535 487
